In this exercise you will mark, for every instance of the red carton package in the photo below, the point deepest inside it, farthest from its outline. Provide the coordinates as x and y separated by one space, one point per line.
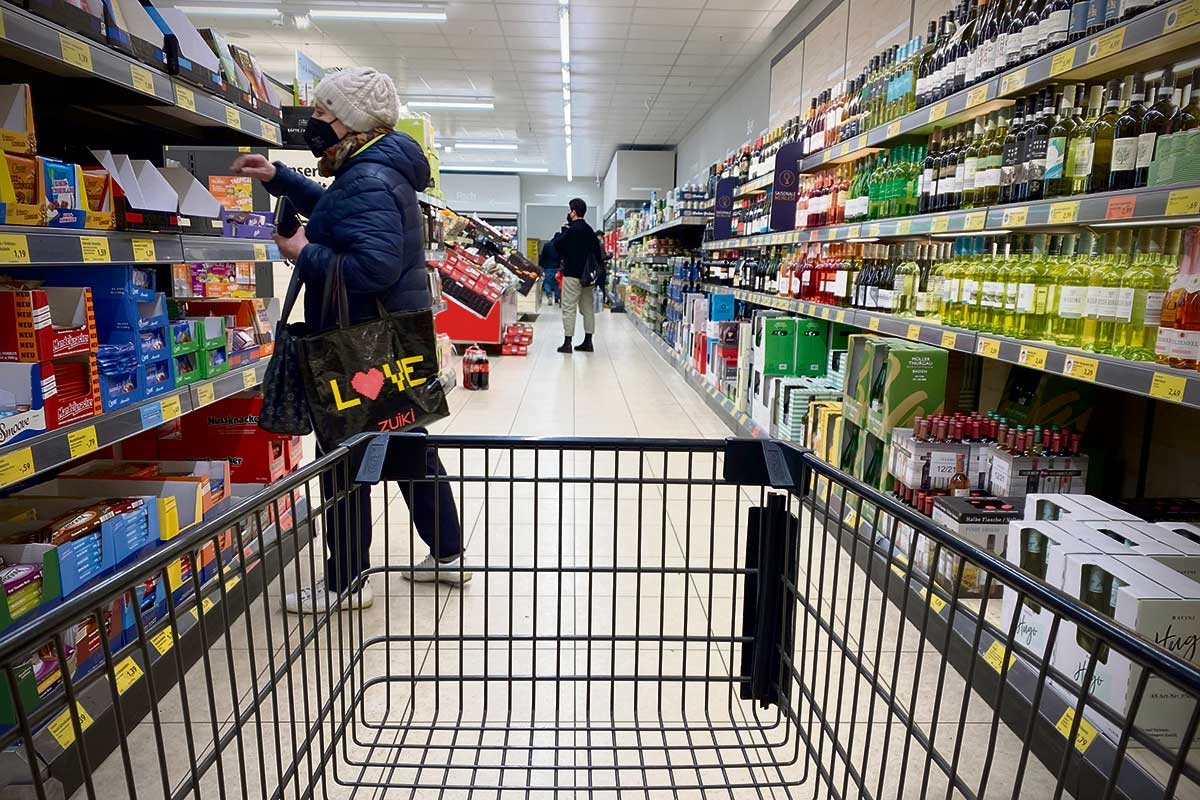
45 324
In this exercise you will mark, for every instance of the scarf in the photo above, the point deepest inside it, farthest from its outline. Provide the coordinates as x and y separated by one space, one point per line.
333 159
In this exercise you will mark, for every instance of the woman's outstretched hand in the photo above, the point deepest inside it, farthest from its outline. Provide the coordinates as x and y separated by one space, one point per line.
253 165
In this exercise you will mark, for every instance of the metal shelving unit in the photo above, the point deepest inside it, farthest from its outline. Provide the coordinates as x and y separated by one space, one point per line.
26 246
682 223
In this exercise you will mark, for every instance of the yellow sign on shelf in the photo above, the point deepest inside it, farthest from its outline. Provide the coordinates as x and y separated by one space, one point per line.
185 98
127 673
841 316
75 52
988 348
171 408
949 340
854 232
1013 82
14 248
260 252
1106 45
1168 387
939 224
873 324
141 78
95 250
249 377
995 657
233 117
1062 61
1187 14
978 95
164 640
936 603
893 129
975 221
1032 357
913 332
874 230
1081 368
83 441
1183 202
268 131
16 466
205 394
62 727
938 111
1064 213
143 250
1084 736
1015 217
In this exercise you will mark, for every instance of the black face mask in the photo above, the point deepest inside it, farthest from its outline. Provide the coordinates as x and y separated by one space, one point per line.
319 135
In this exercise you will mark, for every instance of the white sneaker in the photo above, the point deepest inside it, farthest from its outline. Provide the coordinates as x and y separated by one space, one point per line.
431 570
317 599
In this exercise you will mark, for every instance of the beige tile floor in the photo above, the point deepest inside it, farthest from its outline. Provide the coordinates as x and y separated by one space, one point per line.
593 658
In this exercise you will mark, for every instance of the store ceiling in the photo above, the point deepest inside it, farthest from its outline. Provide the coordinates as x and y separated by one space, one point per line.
644 72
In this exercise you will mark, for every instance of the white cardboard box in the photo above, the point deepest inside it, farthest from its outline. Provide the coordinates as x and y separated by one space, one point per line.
1073 508
1184 555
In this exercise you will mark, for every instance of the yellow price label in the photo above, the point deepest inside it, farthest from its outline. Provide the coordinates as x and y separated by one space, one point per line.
83 441
185 98
1015 217
1033 357
171 408
205 394
1081 368
988 348
16 466
826 313
62 727
1183 202
249 378
893 129
1168 387
268 131
938 111
845 148
830 234
95 250
143 251
935 601
2 32
1186 14
828 154
939 224
207 604
995 657
873 324
14 248
949 340
1064 213
233 117
260 252
126 674
164 640
873 230
841 317
1062 61
1083 737
1107 45
975 221
232 582
75 52
1014 81
898 570
978 95
854 232
141 78
913 332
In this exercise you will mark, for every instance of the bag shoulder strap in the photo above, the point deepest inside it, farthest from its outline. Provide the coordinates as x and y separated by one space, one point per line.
289 299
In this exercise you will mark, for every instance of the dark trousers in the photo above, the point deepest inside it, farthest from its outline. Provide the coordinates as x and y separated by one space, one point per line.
348 520
550 285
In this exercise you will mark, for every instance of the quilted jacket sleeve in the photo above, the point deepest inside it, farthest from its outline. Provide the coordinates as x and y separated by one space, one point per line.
368 234
303 192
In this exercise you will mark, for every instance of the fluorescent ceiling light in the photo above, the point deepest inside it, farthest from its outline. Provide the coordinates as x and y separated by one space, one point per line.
566 75
377 14
486 146
567 113
475 105
564 34
231 11
567 93
469 168
570 166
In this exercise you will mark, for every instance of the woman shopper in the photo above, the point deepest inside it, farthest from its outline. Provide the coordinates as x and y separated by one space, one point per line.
369 219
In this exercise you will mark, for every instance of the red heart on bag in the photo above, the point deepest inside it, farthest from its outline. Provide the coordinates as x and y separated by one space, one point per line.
368 384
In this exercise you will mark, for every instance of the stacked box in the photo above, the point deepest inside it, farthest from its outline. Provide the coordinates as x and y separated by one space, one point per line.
1014 475
924 466
908 380
860 349
983 521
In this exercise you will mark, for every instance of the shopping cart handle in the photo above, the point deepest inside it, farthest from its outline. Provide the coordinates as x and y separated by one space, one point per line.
388 456
764 462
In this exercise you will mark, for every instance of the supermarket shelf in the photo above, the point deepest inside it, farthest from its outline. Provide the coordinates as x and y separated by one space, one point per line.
682 223
759 185
1178 204
430 200
646 287
26 246
1133 377
661 261
1169 27
25 459
61 52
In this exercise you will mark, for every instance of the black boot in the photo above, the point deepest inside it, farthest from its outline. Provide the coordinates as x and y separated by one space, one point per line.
566 346
586 346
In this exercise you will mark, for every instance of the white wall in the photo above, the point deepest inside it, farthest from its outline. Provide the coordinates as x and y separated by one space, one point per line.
634 174
468 192
544 201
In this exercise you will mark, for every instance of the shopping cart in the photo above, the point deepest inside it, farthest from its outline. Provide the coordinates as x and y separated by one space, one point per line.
647 618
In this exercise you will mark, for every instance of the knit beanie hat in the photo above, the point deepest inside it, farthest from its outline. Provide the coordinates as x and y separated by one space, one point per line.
362 98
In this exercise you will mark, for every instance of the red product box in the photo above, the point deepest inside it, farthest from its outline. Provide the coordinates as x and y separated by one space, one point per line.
293 453
75 404
228 430
29 394
45 324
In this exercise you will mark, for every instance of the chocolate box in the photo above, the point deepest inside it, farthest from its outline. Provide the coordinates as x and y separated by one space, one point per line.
46 323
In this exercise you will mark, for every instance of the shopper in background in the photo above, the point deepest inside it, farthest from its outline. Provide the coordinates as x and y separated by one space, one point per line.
602 278
369 220
582 261
549 261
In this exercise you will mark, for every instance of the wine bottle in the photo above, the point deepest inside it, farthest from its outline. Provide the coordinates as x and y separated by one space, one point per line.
1078 23
1037 145
1123 173
1101 133
1156 122
929 173
1031 29
987 178
1020 187
1056 22
1057 184
1008 164
971 166
1187 117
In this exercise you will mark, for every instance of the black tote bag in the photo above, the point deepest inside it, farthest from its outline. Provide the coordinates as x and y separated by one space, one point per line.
284 407
376 376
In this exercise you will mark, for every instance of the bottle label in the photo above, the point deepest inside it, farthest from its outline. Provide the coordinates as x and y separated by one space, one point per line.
1026 295
993 294
950 290
841 282
1080 162
1124 308
1124 154
1152 313
1041 297
1012 48
1184 345
970 291
970 173
1029 39
1035 161
884 299
1056 151
926 301
1112 10
1056 26
1095 13
1072 300
1102 302
957 182
1010 296
1145 150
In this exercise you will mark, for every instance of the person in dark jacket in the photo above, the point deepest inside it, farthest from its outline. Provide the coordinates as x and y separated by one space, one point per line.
548 260
370 220
580 250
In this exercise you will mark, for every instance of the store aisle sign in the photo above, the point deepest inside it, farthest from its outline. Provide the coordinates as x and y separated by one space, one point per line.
723 208
786 187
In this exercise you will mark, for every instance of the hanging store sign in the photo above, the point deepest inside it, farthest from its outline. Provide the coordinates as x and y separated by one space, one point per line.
723 208
786 187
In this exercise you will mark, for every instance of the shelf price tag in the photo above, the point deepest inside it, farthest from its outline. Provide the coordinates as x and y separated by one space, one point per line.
1183 202
14 248
938 111
1081 368
127 673
95 250
260 252
988 348
83 441
143 251
1033 357
904 227
841 317
171 408
3 35
1168 387
1064 213
978 95
936 603
249 378
63 729
1083 737
854 232
75 52
205 394
995 657
1015 217
949 340
939 224
1120 207
826 313
164 640
893 129
913 332
185 98
1107 45
141 78
1013 82
828 154
873 230
975 221
1062 62
873 324
268 131
844 150
1186 14
16 466
233 117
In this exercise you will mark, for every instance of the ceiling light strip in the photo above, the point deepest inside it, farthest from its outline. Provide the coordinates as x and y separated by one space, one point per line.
564 46
377 14
469 105
470 168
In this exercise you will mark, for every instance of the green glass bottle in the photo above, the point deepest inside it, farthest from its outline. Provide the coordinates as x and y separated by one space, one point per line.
1143 288
991 290
952 282
1007 274
1068 297
970 309
905 283
1033 290
1104 285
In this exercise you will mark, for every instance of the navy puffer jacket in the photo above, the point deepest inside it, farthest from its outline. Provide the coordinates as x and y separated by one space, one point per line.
369 215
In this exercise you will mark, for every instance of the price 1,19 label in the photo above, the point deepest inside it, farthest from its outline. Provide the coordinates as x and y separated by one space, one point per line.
1168 387
14 248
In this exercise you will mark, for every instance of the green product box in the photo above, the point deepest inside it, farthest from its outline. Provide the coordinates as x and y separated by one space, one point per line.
419 128
859 349
186 367
777 341
907 380
1037 398
214 362
812 348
